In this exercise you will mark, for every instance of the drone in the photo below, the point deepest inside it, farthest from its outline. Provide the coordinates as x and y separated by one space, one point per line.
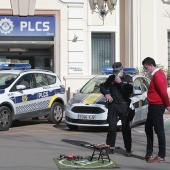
70 157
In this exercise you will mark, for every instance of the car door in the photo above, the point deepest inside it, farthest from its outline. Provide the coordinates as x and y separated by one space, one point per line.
44 90
25 99
139 99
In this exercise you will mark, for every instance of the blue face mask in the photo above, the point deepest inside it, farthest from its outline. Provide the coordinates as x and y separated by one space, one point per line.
119 74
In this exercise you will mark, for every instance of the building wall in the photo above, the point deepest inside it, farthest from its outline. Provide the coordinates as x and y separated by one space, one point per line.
79 52
150 28
140 28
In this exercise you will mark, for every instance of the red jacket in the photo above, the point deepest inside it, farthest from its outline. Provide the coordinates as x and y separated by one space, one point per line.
157 92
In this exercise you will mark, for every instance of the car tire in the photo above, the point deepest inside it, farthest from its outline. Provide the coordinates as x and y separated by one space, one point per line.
72 127
5 118
56 114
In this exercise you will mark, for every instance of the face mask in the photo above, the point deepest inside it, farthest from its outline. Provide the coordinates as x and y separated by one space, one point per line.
147 71
119 75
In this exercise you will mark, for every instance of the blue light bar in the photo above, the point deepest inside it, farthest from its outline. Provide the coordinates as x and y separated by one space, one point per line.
107 70
6 66
130 70
126 70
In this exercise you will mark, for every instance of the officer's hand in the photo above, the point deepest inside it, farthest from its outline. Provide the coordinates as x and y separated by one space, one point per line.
108 98
117 79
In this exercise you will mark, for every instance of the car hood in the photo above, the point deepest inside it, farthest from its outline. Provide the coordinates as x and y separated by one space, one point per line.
92 98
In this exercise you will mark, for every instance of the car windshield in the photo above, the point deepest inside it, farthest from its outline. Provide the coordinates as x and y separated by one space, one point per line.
92 86
6 79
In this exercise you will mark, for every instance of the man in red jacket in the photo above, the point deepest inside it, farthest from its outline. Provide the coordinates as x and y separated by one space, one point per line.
158 100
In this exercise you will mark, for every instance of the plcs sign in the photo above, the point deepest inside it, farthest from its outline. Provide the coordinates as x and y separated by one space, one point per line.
27 26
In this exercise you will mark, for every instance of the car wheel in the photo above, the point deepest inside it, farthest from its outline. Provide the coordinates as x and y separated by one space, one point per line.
72 127
56 114
5 118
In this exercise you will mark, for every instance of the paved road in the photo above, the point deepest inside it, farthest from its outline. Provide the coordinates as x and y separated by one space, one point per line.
32 145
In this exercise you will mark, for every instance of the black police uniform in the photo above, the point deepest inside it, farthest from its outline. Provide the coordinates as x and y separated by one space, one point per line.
119 108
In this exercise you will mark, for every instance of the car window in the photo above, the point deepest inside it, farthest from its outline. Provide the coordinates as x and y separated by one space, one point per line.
92 86
6 80
51 79
41 80
144 84
137 84
26 80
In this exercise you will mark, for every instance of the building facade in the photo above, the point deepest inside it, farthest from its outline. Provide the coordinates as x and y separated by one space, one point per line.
81 43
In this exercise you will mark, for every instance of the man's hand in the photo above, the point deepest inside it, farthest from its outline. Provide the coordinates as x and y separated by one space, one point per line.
117 79
168 108
108 98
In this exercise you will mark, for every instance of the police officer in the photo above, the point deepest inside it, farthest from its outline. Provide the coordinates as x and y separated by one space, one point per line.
117 90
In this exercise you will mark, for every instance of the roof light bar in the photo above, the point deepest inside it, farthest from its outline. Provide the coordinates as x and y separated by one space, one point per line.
126 70
6 66
130 70
107 70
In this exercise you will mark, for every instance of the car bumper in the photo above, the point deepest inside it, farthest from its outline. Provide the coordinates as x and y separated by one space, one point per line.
87 116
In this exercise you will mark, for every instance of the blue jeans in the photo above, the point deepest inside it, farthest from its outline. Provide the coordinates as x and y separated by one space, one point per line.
155 120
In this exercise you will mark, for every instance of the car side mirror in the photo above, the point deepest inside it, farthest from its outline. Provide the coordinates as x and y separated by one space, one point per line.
20 87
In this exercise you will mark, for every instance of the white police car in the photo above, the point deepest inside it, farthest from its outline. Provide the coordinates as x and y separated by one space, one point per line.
29 93
88 106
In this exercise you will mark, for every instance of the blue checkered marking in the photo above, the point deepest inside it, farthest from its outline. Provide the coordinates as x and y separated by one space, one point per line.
32 107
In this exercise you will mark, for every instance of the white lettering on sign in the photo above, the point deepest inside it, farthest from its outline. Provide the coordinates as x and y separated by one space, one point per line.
39 26
46 26
43 94
23 25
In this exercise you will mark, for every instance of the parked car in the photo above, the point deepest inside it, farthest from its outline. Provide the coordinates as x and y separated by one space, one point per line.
88 106
29 93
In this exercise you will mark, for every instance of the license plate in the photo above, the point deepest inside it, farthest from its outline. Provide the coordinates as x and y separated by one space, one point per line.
88 117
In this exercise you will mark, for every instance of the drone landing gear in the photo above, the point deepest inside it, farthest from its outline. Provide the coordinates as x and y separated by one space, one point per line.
103 152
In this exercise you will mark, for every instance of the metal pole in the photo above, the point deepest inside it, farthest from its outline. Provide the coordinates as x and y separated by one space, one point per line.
68 94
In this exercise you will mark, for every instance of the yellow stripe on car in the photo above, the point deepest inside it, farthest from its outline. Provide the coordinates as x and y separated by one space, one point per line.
52 99
91 98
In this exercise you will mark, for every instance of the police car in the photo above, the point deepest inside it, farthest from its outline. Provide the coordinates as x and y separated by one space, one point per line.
29 93
88 107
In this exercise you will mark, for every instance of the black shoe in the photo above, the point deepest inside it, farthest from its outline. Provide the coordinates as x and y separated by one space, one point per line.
128 154
110 151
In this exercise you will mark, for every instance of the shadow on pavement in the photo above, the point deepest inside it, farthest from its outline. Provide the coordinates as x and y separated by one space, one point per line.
63 126
30 121
78 143
87 145
122 151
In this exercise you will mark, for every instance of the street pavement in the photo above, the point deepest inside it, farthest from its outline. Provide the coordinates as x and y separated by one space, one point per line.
32 145
139 144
